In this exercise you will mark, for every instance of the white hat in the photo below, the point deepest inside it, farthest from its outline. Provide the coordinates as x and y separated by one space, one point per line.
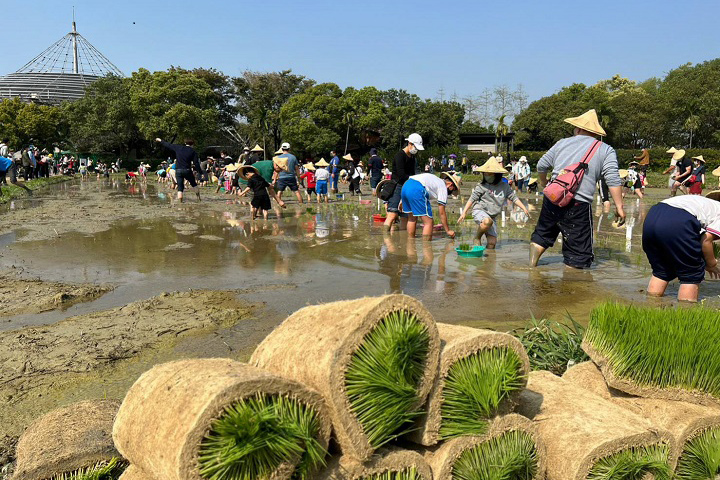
285 146
523 158
416 140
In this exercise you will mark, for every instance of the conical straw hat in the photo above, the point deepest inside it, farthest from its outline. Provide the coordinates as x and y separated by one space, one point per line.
455 179
322 163
716 172
347 157
678 154
671 150
281 163
714 195
232 167
245 169
309 166
623 173
587 121
257 148
492 166
279 152
699 157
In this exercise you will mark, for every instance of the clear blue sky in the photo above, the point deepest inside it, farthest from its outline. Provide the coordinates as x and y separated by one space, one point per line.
421 46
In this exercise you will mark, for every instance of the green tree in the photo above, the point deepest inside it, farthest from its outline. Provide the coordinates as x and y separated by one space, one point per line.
173 104
24 123
103 120
261 96
312 121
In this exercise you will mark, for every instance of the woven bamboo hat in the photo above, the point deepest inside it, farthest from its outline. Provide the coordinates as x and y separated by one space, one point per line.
245 169
347 157
714 195
279 152
492 166
716 172
678 154
309 166
281 163
623 173
257 148
699 158
322 163
587 121
232 167
671 150
455 179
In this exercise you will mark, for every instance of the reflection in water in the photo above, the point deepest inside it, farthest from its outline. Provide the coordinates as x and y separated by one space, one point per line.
335 251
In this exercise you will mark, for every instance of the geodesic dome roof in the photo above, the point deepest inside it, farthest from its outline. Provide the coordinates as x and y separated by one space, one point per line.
61 72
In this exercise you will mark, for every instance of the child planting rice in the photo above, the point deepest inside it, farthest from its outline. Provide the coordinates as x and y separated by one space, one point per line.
309 178
261 198
416 194
487 201
678 236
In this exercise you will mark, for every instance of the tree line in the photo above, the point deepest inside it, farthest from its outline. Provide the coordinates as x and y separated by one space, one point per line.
122 115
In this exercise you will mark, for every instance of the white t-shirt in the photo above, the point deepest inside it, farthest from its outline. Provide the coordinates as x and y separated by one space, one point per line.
321 174
706 210
435 186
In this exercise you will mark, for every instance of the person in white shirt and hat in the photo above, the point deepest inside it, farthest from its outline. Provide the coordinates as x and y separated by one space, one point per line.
574 221
523 173
416 194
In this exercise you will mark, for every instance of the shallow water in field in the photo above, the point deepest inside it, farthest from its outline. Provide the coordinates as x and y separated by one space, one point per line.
320 253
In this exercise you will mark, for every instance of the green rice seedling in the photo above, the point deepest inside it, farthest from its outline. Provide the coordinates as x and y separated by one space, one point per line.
661 348
700 459
255 435
465 247
475 387
551 345
384 373
409 474
100 471
510 456
633 464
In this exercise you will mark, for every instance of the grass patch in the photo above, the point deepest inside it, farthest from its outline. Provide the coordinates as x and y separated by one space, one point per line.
665 348
474 389
11 192
254 436
700 460
633 464
511 456
383 375
551 345
100 471
409 474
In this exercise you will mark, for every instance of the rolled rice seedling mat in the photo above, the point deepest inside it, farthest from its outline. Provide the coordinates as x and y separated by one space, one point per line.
386 464
657 353
134 473
374 361
589 437
217 419
481 375
684 421
69 442
511 449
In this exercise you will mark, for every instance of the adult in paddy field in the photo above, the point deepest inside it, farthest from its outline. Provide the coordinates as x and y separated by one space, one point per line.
288 178
416 194
375 166
678 236
7 165
186 158
403 167
574 221
334 171
683 170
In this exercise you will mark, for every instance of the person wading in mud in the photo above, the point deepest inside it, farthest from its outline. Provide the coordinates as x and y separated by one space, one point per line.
574 221
403 167
7 165
186 158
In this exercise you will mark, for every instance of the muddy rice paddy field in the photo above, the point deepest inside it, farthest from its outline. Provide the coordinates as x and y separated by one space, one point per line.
101 280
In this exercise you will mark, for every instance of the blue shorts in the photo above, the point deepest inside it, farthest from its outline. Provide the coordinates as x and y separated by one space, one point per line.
287 182
672 241
415 199
321 187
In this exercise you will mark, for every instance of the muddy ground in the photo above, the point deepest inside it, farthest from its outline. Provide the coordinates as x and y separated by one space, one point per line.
99 355
26 296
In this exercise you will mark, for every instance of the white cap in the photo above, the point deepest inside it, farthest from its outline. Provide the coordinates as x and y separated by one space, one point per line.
416 140
285 146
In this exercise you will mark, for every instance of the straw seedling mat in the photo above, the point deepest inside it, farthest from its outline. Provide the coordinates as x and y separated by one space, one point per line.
386 464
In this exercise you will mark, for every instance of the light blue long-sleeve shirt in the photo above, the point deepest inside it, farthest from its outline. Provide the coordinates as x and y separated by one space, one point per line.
572 150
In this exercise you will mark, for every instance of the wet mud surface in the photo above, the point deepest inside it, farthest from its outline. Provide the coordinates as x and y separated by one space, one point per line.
82 237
